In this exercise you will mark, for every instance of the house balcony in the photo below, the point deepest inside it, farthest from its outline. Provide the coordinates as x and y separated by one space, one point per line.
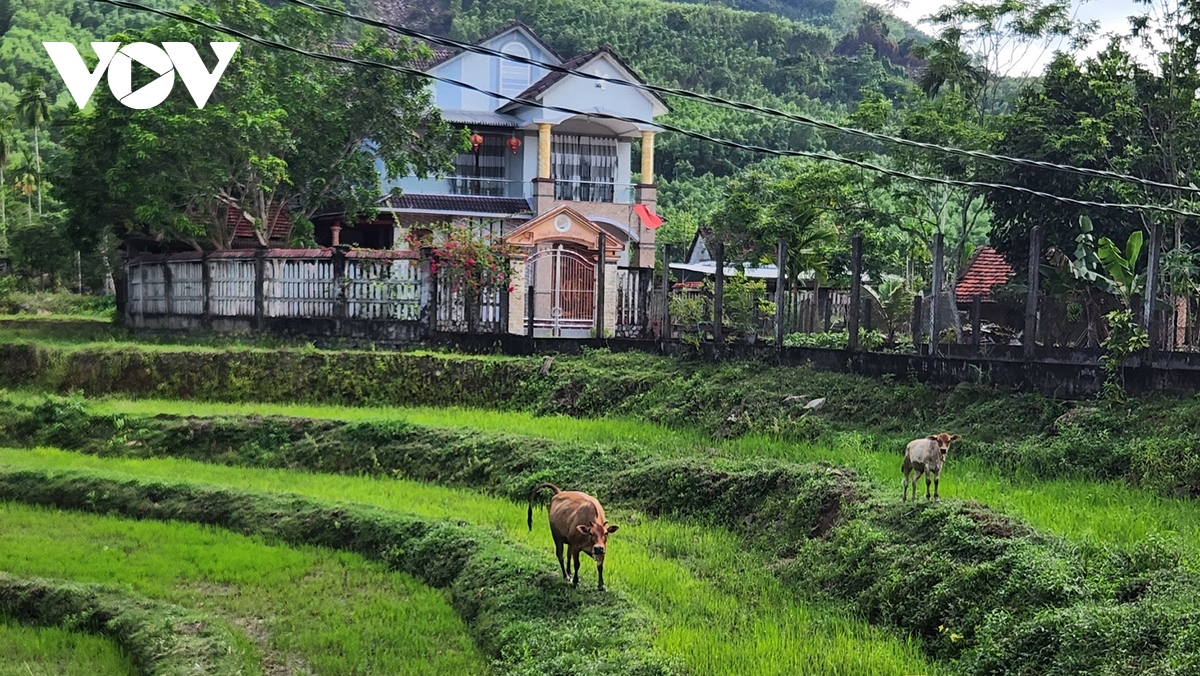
595 191
567 191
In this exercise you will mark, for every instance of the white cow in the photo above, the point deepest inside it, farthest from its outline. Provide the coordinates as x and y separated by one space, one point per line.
926 456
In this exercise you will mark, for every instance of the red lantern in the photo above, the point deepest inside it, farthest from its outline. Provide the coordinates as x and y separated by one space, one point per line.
476 141
513 144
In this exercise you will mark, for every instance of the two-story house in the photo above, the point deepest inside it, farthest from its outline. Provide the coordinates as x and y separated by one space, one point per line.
546 181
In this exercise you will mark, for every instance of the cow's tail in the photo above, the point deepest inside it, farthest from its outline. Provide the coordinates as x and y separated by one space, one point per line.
534 492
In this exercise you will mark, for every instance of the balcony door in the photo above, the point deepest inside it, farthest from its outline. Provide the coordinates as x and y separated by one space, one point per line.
584 167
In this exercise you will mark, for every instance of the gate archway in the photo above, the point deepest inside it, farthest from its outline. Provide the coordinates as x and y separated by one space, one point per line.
564 292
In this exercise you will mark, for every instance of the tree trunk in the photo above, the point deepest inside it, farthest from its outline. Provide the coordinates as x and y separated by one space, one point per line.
37 158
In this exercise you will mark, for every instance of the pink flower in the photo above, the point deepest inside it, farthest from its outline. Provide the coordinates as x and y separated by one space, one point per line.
510 288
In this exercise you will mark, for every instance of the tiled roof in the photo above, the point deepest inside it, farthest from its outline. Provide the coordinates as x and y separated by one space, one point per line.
481 118
458 204
280 228
986 271
343 48
439 55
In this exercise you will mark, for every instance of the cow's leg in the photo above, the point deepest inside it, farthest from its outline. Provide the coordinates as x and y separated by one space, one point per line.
928 480
573 555
937 477
600 573
905 499
906 469
558 549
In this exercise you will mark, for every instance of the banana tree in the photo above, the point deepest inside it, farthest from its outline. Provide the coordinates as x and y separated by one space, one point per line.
894 301
1123 279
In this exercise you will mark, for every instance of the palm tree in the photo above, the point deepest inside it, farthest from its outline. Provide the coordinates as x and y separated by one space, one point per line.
34 110
27 184
948 65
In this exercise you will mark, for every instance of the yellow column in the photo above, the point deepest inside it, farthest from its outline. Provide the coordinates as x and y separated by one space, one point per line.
543 150
647 158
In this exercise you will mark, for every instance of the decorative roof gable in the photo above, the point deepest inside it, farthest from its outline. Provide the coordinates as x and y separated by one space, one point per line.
564 224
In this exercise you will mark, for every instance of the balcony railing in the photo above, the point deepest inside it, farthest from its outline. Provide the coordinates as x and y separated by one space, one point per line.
486 187
594 191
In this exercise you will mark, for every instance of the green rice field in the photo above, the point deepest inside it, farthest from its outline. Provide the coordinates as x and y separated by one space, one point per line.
51 651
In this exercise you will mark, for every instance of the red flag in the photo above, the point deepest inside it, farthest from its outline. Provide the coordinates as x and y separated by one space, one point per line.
649 219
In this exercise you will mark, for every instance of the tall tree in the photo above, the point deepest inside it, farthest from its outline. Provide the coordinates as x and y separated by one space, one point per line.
279 129
34 110
6 147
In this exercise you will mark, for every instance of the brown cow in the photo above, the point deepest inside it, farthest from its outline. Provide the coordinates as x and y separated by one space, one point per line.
577 521
926 456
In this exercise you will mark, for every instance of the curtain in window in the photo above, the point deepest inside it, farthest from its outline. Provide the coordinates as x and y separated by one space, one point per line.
584 167
492 164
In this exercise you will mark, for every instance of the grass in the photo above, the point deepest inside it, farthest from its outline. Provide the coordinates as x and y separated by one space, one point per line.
51 651
333 612
715 606
1084 510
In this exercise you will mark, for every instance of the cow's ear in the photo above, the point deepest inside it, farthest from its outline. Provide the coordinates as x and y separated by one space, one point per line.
932 437
585 529
956 437
613 529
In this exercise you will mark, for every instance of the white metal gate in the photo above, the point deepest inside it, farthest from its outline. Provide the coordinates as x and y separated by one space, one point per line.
564 297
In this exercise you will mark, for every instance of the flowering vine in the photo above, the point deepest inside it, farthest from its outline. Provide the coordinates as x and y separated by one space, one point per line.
468 258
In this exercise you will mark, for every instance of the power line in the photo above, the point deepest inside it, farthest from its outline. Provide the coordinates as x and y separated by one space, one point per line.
637 121
742 106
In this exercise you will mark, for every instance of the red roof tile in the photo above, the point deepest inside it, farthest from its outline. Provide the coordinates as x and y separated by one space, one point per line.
280 228
987 270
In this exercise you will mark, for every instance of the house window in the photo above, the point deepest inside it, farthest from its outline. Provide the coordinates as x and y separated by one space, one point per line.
486 178
515 77
584 167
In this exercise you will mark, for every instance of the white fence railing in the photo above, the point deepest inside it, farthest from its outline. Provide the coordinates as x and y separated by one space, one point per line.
300 284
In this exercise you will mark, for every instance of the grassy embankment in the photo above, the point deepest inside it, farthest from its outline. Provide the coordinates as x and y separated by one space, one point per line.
720 590
371 620
1080 509
53 651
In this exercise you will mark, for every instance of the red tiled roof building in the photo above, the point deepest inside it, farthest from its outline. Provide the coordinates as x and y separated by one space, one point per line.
987 270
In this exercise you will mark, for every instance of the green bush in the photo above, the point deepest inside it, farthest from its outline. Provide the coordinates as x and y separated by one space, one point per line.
162 640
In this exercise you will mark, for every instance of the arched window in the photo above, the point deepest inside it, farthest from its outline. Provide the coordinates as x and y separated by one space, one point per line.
515 77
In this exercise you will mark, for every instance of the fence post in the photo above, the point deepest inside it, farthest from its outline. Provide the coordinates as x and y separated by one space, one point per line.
719 297
780 287
529 311
600 299
1152 266
1031 301
206 285
935 310
260 290
167 294
915 324
855 292
434 289
666 333
976 324
340 302
505 302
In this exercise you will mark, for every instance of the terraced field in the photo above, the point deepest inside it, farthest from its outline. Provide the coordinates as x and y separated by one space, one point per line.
739 553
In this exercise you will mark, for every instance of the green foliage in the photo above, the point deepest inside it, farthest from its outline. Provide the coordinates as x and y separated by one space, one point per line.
470 259
1125 338
834 340
161 639
157 169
